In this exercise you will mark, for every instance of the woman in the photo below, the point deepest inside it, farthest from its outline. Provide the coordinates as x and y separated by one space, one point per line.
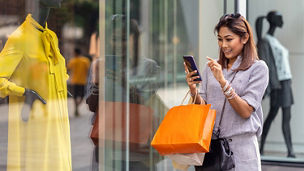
240 79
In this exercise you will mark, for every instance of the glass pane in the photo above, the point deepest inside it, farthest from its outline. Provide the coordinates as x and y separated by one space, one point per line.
143 74
279 31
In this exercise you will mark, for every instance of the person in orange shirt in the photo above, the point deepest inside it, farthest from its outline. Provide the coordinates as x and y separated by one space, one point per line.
79 68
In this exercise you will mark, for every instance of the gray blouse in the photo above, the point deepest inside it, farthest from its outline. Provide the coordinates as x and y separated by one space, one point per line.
250 85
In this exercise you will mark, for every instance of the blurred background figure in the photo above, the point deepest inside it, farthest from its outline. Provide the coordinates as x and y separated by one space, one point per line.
125 70
78 67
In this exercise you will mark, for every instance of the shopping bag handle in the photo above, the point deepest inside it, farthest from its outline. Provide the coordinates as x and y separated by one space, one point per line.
187 95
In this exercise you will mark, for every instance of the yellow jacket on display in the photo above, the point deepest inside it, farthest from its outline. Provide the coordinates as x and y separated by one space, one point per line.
31 59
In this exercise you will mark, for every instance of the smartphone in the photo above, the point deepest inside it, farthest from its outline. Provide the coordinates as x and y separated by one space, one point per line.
191 65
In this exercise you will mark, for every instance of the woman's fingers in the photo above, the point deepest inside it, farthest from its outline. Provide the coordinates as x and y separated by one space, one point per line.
210 63
193 78
190 74
186 68
213 64
196 82
210 59
190 78
191 81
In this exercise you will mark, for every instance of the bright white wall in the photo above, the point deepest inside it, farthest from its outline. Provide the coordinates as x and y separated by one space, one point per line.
209 13
291 36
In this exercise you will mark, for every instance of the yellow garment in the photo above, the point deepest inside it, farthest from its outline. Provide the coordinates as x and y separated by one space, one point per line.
31 59
79 67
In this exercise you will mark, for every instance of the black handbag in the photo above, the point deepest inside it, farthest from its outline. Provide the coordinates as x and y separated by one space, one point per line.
220 157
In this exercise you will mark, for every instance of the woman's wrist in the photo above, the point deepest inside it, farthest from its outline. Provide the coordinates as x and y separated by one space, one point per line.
223 82
229 92
193 92
225 86
232 95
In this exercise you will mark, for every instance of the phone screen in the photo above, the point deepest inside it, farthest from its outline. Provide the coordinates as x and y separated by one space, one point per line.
191 65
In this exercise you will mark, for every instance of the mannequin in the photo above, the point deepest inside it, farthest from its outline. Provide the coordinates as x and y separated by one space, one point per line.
32 72
276 56
41 16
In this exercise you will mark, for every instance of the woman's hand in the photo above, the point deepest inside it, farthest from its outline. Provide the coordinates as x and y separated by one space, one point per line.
216 69
190 79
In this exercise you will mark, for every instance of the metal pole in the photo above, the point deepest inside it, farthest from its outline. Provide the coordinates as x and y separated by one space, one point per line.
236 6
225 7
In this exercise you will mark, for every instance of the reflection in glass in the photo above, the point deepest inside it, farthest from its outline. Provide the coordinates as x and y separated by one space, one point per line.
130 84
144 45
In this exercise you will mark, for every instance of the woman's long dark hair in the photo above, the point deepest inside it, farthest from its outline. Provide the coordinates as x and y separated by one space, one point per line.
240 26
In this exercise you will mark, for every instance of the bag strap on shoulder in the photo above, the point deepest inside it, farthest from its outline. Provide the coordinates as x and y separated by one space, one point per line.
222 112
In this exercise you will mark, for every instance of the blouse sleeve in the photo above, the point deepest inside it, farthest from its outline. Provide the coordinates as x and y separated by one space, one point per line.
257 84
203 84
10 57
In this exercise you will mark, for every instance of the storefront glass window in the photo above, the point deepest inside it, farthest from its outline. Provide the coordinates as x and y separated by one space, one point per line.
67 64
142 73
278 29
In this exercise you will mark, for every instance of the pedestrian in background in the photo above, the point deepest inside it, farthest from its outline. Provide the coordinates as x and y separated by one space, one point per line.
79 68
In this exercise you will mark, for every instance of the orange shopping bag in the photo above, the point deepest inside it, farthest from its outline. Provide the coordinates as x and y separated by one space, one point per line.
185 129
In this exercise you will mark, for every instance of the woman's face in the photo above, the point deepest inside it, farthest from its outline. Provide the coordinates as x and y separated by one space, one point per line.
51 3
230 43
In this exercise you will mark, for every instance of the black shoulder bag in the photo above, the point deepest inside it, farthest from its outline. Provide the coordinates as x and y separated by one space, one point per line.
220 157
